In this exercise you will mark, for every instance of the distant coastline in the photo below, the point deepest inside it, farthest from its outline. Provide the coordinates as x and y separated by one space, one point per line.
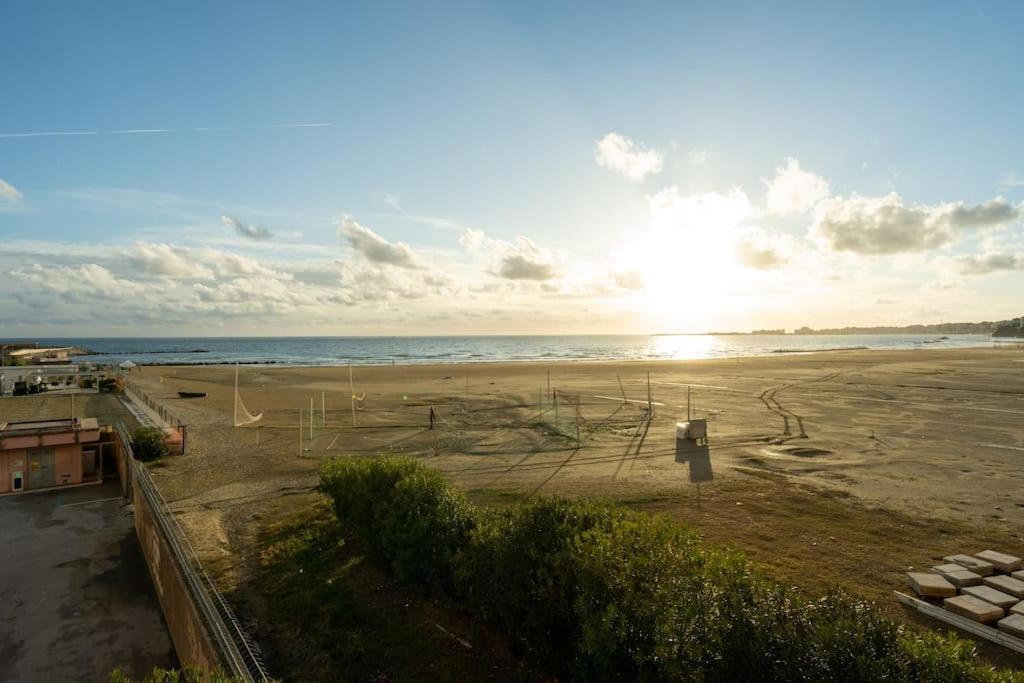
1013 328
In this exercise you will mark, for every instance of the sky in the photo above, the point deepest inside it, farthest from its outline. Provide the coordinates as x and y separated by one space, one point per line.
267 168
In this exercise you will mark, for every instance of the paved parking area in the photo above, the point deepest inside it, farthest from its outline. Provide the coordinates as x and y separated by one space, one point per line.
75 595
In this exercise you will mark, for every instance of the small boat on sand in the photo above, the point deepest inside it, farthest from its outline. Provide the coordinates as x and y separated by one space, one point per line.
192 394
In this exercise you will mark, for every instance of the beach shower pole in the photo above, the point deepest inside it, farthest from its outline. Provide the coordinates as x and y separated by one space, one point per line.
352 393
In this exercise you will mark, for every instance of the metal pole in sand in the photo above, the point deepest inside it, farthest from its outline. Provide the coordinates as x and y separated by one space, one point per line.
323 407
577 420
352 393
555 398
300 431
312 416
650 401
549 382
540 405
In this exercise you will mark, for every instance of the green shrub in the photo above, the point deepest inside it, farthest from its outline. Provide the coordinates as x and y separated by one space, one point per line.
596 592
186 675
519 570
408 515
149 443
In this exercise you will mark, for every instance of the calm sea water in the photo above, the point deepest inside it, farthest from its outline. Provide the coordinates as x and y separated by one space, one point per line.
384 350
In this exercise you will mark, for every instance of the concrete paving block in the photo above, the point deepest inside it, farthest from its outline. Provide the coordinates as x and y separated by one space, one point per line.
1018 608
973 608
997 598
1018 575
974 564
947 568
1013 624
930 585
963 578
1001 561
1006 584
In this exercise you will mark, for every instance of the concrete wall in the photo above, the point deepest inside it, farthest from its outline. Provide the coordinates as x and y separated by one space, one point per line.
191 641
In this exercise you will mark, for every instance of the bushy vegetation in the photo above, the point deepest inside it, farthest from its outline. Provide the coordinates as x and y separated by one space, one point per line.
597 592
149 443
187 675
331 615
417 539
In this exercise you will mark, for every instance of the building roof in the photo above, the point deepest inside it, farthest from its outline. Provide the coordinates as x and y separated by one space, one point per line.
33 427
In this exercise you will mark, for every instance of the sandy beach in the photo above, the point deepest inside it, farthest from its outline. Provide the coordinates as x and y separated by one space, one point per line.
838 468
934 433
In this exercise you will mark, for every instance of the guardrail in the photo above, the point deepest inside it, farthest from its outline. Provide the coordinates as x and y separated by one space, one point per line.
237 650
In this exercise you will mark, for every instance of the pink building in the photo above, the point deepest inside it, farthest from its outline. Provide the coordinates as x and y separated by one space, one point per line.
46 454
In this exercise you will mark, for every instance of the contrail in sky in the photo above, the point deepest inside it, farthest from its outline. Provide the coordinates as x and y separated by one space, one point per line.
49 133
135 131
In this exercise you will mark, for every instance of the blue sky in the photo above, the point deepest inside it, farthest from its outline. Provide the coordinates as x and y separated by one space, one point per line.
461 178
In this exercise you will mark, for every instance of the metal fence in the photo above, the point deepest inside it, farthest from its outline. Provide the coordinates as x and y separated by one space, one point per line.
237 649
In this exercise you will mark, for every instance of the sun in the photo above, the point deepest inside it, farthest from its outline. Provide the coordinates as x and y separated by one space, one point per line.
687 258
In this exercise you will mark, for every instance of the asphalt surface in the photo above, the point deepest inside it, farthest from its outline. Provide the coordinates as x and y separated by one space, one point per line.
76 600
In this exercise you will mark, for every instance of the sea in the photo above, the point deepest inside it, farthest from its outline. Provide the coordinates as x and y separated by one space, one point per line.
472 349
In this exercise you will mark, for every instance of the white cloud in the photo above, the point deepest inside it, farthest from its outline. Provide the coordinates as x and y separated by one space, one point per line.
471 239
8 193
993 212
374 247
627 279
524 260
164 260
253 232
147 259
698 157
1011 182
886 225
760 250
620 154
989 263
708 212
793 190
80 283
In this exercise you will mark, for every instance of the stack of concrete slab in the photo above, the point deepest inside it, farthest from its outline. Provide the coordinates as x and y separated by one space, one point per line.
987 587
957 575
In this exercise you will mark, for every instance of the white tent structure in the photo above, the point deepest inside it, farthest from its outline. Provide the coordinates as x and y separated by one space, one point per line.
128 365
247 417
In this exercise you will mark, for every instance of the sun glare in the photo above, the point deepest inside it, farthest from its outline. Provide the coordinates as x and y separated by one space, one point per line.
687 258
